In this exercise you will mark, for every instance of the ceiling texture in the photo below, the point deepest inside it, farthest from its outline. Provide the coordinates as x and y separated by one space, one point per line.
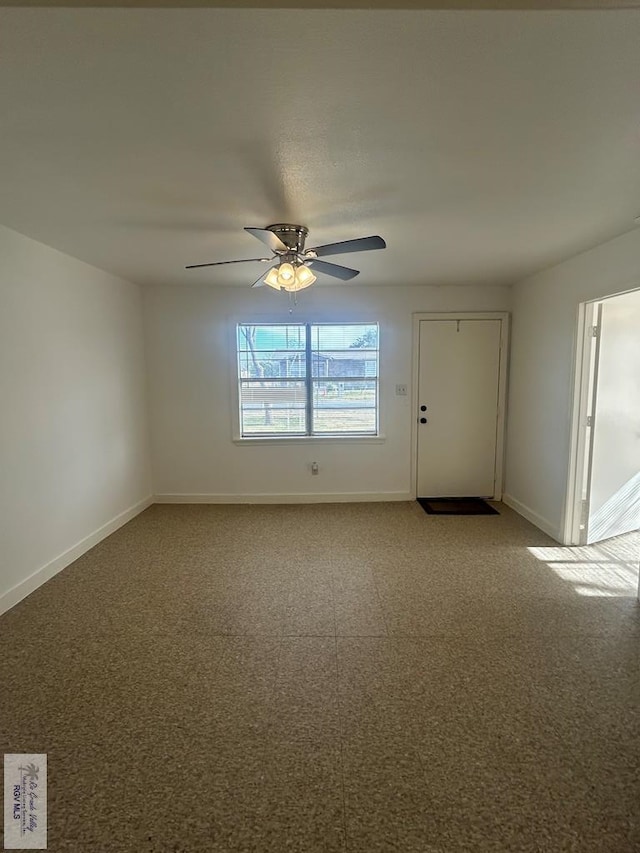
482 145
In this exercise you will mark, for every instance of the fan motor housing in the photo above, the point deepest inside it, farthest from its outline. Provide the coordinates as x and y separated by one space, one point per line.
293 236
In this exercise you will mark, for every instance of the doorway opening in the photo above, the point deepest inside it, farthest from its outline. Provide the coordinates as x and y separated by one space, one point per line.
603 498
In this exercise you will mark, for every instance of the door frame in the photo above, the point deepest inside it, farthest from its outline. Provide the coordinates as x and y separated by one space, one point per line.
504 317
581 442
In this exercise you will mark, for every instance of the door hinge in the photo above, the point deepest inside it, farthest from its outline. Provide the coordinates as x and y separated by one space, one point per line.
584 514
589 420
595 331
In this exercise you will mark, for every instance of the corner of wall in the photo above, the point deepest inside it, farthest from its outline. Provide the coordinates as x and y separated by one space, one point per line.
535 518
21 590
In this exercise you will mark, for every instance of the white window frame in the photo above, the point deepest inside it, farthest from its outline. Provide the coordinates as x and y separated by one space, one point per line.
319 438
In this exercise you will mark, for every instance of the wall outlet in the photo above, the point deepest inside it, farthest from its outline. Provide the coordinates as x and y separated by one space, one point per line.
401 390
315 468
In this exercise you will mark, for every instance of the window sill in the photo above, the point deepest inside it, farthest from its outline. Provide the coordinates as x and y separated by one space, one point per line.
311 439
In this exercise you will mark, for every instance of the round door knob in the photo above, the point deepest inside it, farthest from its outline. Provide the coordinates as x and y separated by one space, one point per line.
423 420
423 408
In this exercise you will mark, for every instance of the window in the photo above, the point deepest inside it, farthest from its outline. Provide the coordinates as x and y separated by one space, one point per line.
301 379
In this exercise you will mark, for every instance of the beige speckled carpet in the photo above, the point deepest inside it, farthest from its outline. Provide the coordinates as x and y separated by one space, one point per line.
353 678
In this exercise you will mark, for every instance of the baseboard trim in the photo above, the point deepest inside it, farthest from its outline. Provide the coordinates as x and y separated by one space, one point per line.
538 520
21 590
290 498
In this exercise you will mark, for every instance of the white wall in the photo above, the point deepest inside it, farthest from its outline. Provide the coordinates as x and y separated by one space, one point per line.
190 352
74 457
545 310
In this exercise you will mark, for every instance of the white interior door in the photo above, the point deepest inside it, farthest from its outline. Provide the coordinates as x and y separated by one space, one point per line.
458 407
613 492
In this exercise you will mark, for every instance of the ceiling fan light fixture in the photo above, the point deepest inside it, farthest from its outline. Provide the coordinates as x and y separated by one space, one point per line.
304 277
272 278
286 274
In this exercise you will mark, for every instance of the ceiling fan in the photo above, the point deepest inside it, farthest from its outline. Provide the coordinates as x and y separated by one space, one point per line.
294 265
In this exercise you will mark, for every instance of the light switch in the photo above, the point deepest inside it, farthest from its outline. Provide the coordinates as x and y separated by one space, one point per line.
401 390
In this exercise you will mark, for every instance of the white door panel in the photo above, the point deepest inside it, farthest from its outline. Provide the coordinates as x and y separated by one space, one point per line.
458 382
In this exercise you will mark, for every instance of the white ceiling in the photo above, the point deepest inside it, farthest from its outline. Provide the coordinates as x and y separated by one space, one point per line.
482 145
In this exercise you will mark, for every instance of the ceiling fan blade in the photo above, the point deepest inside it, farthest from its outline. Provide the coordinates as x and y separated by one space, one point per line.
363 244
222 263
334 270
260 281
268 238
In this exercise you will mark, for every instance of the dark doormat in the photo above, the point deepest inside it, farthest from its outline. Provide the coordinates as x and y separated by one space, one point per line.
457 506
